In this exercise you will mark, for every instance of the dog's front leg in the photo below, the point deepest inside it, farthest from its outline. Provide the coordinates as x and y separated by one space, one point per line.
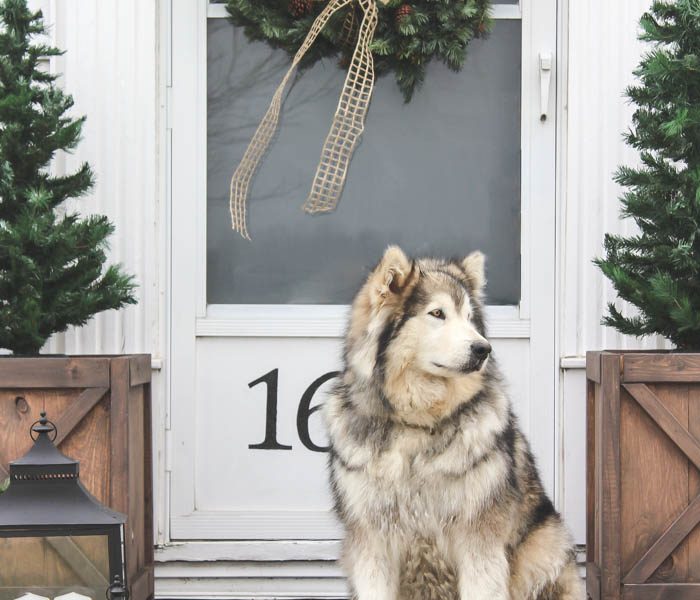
372 565
482 569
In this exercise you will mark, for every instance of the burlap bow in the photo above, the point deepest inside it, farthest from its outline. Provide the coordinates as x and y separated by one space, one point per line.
348 122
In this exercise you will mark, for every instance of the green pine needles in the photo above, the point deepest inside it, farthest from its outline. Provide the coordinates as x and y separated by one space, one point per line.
407 38
51 264
658 270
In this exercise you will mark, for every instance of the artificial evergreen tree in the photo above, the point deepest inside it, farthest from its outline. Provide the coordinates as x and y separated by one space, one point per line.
51 264
658 269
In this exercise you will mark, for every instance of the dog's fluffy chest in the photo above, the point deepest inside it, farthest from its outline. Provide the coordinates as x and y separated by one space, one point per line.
426 478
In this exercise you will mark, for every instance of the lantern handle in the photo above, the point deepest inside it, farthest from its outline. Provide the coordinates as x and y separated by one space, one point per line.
43 425
117 591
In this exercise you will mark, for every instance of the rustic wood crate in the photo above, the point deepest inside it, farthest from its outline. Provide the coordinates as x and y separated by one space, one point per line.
101 406
643 479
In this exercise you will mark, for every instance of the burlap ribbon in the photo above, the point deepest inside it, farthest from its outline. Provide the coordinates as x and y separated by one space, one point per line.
348 122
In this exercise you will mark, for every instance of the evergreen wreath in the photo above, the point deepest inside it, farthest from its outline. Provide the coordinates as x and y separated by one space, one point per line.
407 38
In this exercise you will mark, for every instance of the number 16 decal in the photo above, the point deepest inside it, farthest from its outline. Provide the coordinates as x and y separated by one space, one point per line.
304 412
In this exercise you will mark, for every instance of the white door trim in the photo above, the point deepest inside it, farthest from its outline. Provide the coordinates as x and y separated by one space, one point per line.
539 35
500 11
305 320
187 119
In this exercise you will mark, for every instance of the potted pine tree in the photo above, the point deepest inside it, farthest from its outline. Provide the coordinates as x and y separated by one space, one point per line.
644 407
53 275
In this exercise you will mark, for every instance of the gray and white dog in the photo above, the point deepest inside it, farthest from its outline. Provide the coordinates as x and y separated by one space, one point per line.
432 478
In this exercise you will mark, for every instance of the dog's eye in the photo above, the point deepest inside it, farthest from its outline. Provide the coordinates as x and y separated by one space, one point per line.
437 313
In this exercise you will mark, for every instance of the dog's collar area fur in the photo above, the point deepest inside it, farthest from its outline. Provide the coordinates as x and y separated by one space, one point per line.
387 414
450 420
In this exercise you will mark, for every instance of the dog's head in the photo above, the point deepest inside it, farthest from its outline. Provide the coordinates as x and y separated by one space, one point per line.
420 320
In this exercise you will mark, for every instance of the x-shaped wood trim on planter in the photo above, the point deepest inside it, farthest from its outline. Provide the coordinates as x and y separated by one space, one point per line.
75 413
690 517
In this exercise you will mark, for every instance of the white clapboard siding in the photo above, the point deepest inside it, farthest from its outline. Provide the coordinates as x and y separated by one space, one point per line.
603 50
112 69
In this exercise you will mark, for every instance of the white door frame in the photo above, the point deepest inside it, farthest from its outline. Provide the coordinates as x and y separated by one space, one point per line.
534 318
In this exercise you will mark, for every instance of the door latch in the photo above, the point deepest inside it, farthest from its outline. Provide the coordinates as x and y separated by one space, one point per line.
545 82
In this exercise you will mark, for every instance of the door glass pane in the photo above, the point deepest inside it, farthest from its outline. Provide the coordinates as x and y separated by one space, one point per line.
439 176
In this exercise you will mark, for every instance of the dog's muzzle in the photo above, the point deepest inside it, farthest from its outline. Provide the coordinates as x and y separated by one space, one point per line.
478 353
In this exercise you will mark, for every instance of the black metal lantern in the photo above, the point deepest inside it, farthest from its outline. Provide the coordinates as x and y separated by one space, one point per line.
56 539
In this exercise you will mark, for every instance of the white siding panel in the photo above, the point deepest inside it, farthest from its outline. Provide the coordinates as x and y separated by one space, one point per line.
110 69
572 455
603 51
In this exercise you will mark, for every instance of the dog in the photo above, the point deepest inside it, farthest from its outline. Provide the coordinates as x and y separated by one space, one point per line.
431 476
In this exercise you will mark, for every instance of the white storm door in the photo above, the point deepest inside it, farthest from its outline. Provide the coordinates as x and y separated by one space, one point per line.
257 326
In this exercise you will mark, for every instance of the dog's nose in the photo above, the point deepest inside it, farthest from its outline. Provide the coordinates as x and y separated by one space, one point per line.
481 349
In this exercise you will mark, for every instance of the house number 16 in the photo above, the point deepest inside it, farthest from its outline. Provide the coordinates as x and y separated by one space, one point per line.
303 413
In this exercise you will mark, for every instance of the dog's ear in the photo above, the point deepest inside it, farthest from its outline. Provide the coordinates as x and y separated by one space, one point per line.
390 276
474 268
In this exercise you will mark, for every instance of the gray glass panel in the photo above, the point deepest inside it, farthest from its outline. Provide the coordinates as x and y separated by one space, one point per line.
439 176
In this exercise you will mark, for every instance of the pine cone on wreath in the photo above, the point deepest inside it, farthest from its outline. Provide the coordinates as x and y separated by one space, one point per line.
300 8
402 12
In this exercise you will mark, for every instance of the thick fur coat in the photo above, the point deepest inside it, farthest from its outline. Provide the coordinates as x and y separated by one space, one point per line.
432 478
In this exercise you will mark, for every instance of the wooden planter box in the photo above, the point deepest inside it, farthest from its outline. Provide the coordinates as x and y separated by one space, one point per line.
643 480
101 406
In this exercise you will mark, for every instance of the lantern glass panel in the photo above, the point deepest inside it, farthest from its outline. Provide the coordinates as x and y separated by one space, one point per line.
54 566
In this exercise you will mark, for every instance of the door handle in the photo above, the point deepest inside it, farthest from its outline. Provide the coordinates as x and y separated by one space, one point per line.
545 83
